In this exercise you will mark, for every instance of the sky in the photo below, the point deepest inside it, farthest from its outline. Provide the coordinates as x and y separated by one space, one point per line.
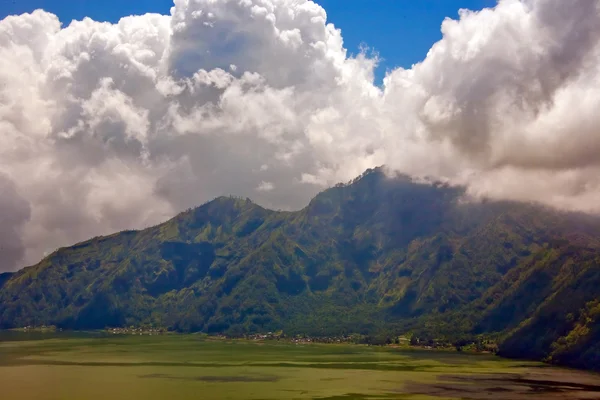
112 123
400 31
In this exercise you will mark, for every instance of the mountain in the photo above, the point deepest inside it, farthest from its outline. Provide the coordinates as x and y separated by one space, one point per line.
545 308
376 254
4 277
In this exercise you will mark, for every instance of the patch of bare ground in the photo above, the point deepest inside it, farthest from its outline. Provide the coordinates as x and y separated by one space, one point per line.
548 384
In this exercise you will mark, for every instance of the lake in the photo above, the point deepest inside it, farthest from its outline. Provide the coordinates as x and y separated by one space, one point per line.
44 366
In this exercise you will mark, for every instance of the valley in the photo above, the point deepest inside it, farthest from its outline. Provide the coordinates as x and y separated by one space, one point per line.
98 366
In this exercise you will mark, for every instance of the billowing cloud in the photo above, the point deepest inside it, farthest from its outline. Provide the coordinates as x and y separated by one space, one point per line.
505 103
106 126
14 215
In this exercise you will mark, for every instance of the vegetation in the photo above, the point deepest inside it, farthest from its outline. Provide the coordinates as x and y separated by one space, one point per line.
191 367
379 256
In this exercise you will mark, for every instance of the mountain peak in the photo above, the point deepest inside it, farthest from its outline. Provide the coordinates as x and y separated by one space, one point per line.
387 252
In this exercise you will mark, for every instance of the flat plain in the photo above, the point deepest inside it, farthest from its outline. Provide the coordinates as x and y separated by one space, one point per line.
67 366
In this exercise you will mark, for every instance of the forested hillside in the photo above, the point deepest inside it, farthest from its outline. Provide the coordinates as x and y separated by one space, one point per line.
377 254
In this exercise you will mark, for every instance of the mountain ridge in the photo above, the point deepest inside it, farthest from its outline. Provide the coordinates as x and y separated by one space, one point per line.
377 254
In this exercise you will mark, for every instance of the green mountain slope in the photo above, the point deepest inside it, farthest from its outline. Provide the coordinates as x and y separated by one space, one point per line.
551 308
375 254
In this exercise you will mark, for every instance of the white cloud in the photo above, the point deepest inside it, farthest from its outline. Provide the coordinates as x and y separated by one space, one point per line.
111 126
265 186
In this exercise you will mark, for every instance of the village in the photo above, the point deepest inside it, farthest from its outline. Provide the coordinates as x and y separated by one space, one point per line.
132 330
470 344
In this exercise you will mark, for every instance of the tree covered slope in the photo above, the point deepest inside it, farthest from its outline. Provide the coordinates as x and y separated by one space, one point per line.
376 254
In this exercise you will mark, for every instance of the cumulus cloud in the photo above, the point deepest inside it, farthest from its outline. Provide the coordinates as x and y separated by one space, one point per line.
112 126
506 100
265 186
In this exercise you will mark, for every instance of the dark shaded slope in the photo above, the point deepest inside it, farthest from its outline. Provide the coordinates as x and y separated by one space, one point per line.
4 277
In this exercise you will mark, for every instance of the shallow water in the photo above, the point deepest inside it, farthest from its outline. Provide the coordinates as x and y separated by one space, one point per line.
94 366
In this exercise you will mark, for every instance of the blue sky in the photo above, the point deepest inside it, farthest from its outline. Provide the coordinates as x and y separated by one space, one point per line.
401 31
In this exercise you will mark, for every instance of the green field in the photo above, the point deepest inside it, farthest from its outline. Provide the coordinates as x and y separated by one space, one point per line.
51 366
